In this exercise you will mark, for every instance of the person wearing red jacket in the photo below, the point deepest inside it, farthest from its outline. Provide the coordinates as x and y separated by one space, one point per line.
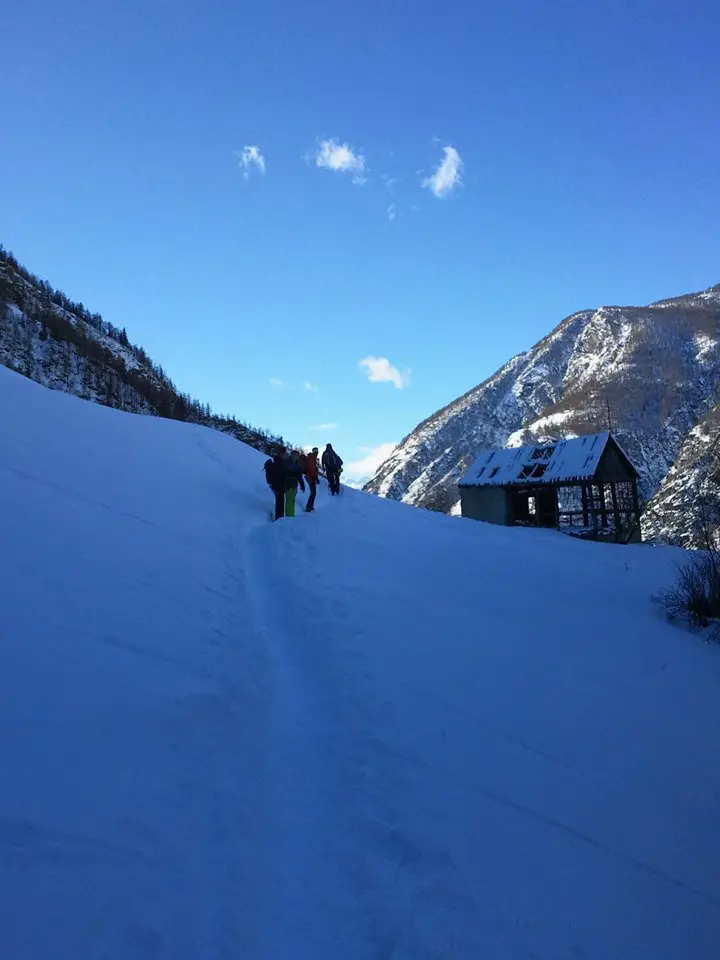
311 475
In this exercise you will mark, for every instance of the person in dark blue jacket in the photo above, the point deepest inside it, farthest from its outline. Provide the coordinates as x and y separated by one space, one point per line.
332 465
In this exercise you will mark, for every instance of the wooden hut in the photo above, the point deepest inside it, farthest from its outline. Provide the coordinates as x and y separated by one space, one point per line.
586 486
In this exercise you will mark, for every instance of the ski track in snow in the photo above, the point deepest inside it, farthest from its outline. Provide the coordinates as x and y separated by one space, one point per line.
324 771
327 773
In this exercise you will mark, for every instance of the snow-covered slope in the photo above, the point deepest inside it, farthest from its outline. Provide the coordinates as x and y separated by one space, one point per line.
656 368
335 736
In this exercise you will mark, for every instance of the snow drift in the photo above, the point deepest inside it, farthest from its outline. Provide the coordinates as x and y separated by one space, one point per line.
371 732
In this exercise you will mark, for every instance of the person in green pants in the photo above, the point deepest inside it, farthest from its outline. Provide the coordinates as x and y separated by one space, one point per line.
294 478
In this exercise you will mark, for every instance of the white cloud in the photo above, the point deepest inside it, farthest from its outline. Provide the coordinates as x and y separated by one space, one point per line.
325 426
380 370
357 473
391 212
274 382
310 386
388 181
251 157
340 157
447 175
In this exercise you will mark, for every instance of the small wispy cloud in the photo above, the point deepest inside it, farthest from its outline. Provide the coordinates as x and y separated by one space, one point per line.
448 174
340 157
389 182
360 471
380 370
325 426
275 382
310 386
391 212
251 158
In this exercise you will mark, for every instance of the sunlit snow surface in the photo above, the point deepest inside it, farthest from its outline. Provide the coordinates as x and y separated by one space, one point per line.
368 732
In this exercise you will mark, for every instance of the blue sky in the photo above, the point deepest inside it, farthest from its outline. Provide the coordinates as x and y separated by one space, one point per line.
583 170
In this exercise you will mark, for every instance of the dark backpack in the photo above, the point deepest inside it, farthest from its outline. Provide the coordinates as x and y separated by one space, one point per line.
273 474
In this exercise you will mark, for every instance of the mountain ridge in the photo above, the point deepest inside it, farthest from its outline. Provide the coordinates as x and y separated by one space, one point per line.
653 370
59 343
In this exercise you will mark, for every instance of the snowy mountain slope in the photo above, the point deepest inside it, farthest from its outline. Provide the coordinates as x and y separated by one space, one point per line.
221 737
657 368
672 515
62 345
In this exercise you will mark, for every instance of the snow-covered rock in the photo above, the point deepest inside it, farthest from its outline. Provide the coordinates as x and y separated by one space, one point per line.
672 515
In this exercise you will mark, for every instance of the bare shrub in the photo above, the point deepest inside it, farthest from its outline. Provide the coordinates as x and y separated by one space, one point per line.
695 596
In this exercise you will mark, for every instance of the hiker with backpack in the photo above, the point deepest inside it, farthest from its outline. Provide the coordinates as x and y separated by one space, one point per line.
294 479
312 473
332 465
283 475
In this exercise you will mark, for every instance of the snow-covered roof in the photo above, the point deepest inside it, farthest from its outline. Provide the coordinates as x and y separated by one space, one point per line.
573 459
